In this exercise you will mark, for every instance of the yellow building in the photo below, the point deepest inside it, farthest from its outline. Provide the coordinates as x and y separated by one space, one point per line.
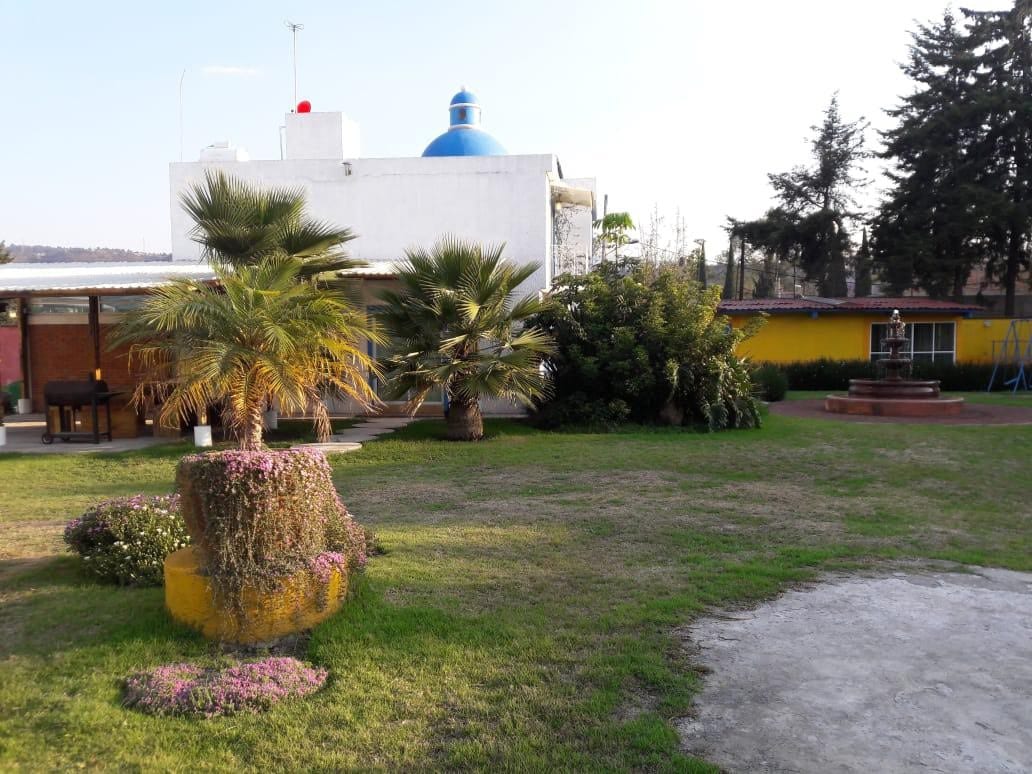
804 329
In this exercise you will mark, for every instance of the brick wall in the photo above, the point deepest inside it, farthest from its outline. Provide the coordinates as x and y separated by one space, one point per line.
65 352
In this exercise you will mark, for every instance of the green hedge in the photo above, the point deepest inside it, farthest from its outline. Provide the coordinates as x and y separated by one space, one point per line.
834 375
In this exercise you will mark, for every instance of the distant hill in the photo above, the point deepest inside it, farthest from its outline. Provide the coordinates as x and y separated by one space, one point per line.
48 254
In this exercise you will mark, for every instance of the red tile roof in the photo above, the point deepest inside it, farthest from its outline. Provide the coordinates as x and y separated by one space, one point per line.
839 305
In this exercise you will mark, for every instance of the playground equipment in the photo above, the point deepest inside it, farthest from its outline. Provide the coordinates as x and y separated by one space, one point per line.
1013 353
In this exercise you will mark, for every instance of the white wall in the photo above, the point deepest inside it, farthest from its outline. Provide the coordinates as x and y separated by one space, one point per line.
394 204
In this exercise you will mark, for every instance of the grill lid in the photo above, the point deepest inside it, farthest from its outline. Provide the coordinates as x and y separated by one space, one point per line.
71 393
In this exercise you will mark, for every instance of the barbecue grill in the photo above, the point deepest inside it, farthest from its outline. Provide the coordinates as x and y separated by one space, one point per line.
70 398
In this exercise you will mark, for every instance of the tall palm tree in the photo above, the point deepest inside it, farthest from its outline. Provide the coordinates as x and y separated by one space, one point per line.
238 224
263 334
457 324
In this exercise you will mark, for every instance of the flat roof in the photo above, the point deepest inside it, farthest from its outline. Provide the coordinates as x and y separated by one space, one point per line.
113 278
905 304
95 279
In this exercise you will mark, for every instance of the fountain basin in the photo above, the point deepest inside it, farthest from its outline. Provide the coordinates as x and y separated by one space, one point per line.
894 407
894 388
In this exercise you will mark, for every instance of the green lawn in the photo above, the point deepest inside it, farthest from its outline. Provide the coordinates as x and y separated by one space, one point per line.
1000 398
526 615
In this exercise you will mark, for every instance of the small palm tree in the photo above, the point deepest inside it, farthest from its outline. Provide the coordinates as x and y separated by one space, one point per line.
239 224
457 324
263 334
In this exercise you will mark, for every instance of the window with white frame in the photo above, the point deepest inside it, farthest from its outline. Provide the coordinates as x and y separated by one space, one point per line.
926 341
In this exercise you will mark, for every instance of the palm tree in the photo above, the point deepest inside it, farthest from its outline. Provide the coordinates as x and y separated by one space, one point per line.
238 224
263 334
457 324
614 229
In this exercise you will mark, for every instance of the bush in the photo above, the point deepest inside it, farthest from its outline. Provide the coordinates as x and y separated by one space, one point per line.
188 689
127 539
771 382
261 516
640 343
834 375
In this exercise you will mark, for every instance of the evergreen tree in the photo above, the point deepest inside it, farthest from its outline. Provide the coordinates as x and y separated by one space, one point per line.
775 235
816 203
1001 44
862 269
729 269
926 230
5 254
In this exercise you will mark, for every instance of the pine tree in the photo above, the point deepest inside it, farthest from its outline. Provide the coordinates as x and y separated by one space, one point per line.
1001 44
816 203
729 270
926 230
862 269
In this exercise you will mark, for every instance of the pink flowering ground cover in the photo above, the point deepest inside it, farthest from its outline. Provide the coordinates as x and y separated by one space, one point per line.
192 690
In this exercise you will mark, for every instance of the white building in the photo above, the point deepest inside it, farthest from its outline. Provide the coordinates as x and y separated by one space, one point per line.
463 185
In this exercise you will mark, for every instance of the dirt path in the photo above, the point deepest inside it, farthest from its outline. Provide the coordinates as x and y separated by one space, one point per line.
907 673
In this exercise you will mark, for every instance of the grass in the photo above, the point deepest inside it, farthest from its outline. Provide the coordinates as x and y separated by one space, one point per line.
527 613
999 398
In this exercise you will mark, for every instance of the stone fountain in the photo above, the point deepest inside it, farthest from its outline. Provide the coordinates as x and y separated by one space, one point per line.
894 395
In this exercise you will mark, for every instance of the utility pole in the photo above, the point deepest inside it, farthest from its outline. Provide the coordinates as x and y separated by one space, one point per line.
294 29
605 211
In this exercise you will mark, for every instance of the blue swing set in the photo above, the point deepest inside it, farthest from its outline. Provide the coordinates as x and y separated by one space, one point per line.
1014 354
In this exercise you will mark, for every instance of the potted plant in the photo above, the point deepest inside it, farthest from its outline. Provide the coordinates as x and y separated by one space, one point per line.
202 431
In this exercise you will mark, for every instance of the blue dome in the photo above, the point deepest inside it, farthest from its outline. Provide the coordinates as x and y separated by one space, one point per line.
465 98
465 141
464 136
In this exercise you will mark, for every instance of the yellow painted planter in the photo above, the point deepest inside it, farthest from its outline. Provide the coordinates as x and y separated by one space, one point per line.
301 603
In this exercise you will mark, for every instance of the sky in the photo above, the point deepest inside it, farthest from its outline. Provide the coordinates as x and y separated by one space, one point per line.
680 105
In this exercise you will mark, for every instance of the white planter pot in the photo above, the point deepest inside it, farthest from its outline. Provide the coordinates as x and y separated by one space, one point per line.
270 419
3 435
24 405
202 435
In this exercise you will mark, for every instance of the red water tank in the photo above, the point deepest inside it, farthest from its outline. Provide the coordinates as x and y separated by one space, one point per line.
304 106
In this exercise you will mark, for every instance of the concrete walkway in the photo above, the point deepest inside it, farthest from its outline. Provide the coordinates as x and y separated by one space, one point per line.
352 439
25 431
907 673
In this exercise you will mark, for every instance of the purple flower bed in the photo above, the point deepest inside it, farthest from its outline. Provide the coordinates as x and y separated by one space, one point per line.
254 686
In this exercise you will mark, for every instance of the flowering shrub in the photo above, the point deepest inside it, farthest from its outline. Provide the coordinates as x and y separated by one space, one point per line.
188 689
260 516
127 539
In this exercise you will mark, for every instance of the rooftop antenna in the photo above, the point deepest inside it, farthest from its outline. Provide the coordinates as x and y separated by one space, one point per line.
294 29
181 77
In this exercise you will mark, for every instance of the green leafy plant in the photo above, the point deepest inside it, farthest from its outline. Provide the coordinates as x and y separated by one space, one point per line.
262 335
645 344
771 382
239 224
126 540
834 375
457 324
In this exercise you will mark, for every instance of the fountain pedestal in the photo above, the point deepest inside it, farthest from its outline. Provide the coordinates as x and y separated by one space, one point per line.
894 396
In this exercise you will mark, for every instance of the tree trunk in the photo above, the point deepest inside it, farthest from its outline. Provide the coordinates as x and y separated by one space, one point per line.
465 423
251 432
